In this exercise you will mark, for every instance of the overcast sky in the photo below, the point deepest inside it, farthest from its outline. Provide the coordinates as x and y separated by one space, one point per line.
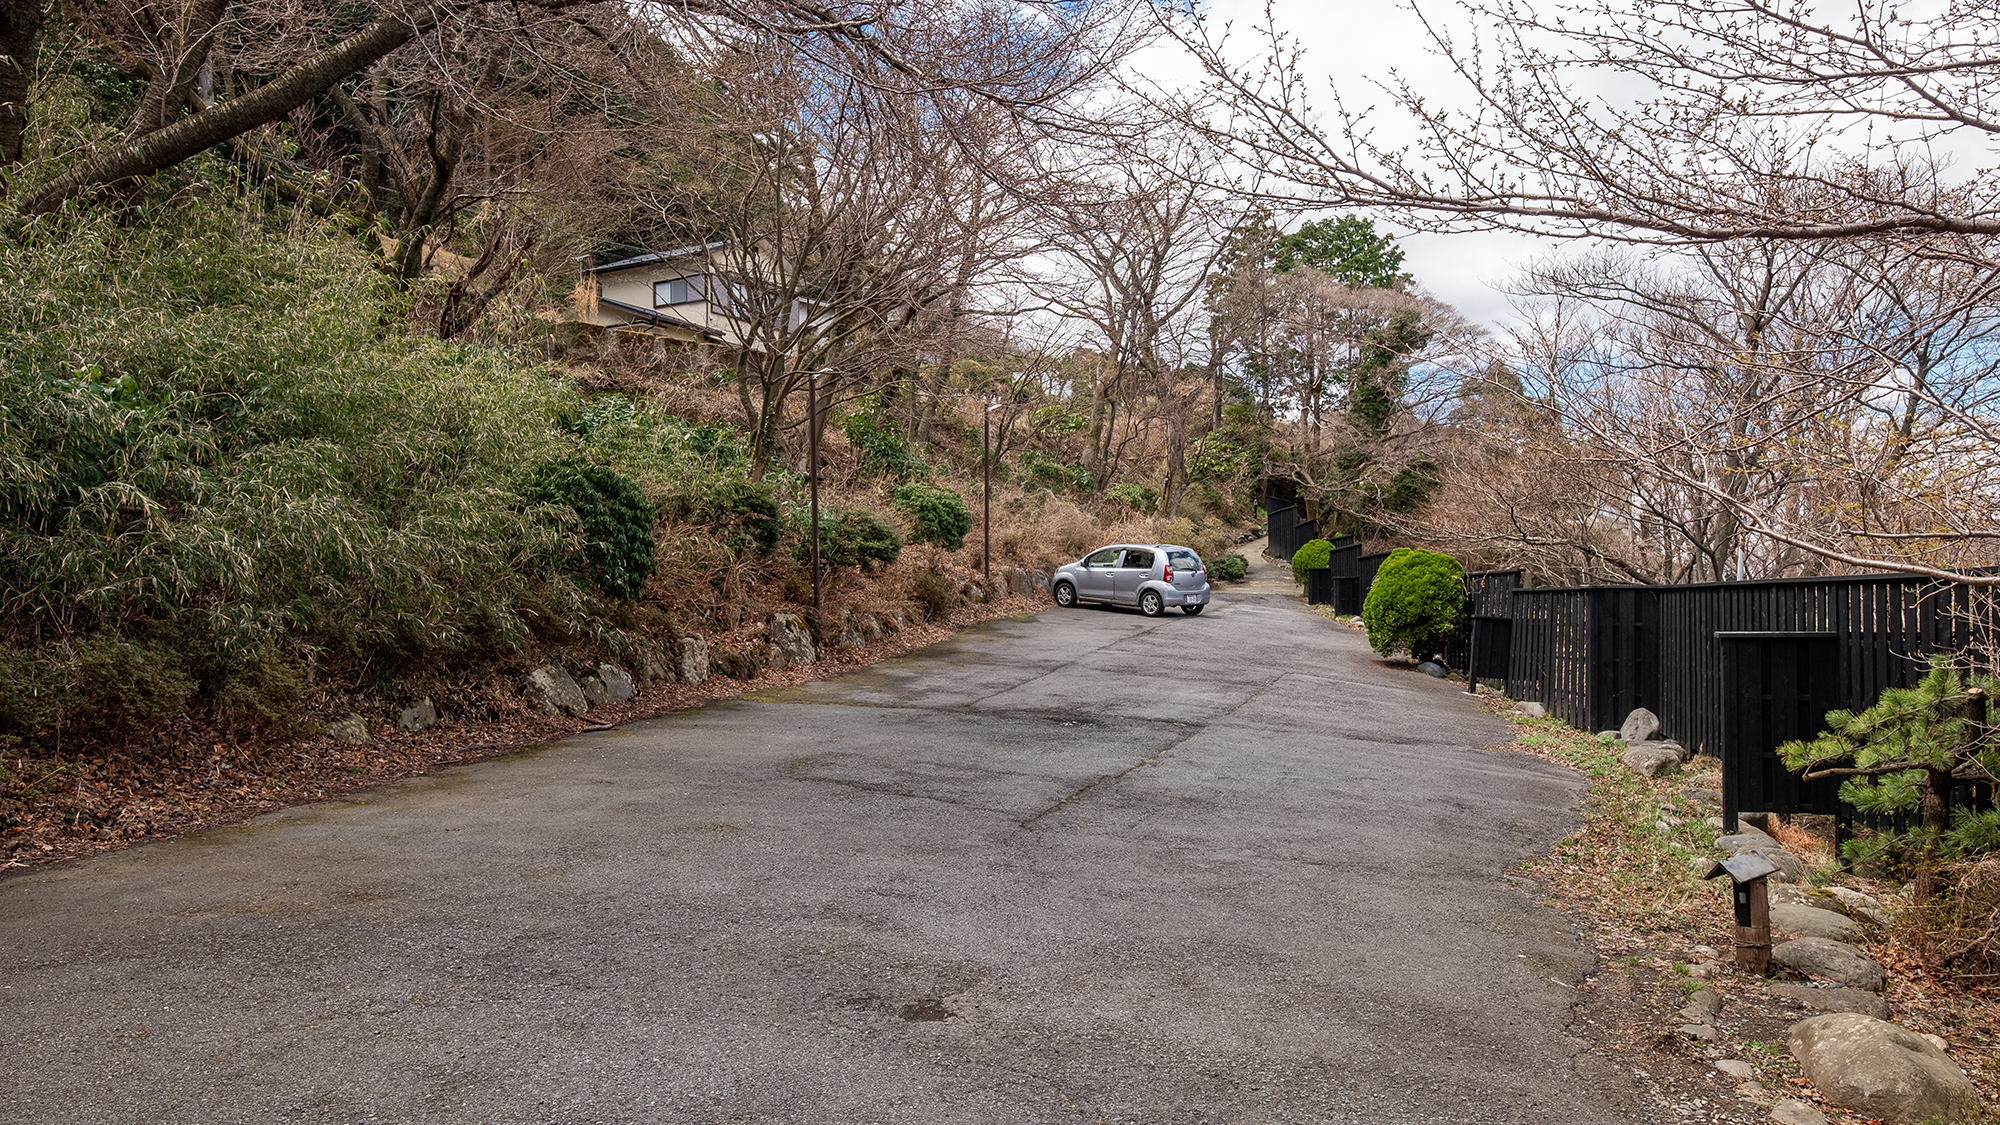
1347 43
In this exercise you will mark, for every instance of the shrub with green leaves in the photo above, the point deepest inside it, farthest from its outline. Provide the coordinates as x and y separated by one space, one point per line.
1054 474
616 522
742 513
1229 568
1416 603
1135 496
853 538
1313 555
652 446
937 515
213 454
882 447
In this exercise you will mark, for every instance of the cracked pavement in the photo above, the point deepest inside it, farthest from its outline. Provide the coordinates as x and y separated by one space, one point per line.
1083 866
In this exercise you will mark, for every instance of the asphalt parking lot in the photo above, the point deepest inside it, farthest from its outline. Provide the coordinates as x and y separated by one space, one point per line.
1083 866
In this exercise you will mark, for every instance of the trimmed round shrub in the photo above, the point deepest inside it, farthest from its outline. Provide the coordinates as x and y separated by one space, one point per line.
1415 604
1229 568
936 515
617 523
1315 554
854 538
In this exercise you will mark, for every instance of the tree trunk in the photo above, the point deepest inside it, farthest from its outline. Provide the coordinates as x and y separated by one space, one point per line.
20 30
1177 474
463 305
1937 794
188 46
1936 818
164 148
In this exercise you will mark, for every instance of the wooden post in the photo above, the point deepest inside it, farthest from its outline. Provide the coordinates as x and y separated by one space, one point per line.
1753 941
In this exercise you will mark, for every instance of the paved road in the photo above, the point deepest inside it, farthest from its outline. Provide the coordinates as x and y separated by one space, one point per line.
1080 867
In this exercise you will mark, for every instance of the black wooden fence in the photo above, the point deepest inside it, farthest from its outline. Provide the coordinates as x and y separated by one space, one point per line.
1736 669
1733 669
1287 525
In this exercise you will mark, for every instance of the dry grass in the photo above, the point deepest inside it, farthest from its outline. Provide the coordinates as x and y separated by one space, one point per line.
1815 848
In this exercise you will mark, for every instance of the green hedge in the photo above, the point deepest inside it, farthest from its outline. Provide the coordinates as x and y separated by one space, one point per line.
853 538
1314 555
937 515
616 521
1415 604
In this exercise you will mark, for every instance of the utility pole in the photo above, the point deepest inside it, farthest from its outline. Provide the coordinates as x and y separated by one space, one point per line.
812 474
986 520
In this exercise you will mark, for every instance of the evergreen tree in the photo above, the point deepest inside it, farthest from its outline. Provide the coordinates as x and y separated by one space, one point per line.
1348 249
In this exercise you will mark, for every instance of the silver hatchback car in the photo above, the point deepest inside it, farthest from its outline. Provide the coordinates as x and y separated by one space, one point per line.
1151 576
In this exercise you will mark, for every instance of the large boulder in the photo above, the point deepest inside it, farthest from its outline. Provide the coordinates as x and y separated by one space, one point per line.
1831 960
1746 839
1020 584
1652 759
1831 999
1532 710
791 638
737 665
694 660
351 729
1639 726
653 668
615 683
553 691
1880 1070
1811 921
1678 751
424 714
1791 869
1866 907
1703 1006
1781 893
851 634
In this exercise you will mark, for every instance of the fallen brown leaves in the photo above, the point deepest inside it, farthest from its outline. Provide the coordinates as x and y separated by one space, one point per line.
202 779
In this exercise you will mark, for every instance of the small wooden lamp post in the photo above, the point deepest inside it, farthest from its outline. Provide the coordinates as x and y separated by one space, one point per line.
1747 873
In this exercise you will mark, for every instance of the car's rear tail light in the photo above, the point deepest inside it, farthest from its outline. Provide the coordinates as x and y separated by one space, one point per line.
1169 576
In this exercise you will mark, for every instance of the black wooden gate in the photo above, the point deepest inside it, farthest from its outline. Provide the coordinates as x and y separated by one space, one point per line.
1780 687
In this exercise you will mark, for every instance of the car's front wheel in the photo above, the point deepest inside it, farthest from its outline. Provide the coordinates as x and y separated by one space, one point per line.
1065 595
1190 610
1151 604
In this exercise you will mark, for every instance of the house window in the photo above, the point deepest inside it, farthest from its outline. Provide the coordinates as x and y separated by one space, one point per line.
728 299
679 291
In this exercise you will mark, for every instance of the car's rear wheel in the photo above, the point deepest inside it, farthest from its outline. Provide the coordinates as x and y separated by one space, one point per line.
1065 595
1190 610
1151 604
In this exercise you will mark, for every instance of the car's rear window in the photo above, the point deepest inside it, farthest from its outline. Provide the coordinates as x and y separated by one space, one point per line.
1184 558
1138 558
